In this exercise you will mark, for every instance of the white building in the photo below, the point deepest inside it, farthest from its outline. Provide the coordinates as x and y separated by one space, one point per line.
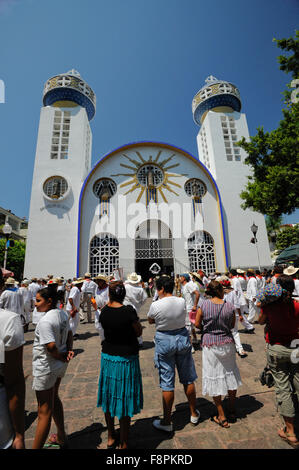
144 203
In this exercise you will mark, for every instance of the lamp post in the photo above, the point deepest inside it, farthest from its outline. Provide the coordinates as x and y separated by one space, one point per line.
254 229
7 229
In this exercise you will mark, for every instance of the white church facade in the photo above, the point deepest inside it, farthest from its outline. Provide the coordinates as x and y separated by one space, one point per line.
146 205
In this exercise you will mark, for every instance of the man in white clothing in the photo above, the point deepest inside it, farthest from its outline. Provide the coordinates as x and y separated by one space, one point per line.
190 293
34 287
73 305
241 299
101 298
251 294
135 295
89 289
11 299
291 271
28 302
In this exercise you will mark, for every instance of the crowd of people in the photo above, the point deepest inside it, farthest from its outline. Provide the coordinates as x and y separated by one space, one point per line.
183 307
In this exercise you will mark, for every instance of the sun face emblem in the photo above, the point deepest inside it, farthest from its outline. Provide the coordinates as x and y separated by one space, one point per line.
150 176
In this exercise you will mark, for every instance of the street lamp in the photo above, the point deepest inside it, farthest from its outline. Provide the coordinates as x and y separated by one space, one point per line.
7 229
254 229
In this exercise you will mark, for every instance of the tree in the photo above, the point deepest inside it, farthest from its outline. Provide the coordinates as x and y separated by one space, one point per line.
15 257
273 226
272 188
288 236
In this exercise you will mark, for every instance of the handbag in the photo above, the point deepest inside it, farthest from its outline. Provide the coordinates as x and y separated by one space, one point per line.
266 377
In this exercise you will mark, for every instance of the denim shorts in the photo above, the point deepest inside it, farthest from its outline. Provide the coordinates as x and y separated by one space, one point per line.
173 350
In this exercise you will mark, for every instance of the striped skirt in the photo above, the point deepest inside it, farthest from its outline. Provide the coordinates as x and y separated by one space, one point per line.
120 386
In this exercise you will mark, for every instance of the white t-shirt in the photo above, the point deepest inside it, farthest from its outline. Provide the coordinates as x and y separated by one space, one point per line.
90 287
12 301
188 294
102 297
238 290
27 298
232 298
251 288
53 327
34 287
135 296
75 294
296 290
11 337
169 313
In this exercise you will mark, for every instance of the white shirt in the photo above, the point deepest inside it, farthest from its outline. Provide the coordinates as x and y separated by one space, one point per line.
90 287
238 290
232 298
296 290
27 299
36 316
75 294
102 297
243 283
251 288
188 292
34 288
13 301
11 337
135 296
169 313
53 327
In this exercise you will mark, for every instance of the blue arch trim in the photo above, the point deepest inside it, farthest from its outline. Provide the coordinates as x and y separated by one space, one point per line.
148 143
61 94
215 101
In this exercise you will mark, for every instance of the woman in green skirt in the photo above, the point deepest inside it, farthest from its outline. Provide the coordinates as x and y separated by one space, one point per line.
120 383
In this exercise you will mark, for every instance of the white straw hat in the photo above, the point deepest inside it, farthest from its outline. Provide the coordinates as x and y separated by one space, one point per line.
134 278
290 270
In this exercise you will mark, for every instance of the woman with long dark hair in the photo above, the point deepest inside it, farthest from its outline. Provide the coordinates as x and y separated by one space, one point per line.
120 385
220 374
52 350
280 313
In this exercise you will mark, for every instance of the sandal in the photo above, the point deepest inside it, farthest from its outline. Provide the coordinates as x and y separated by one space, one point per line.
215 419
53 442
286 437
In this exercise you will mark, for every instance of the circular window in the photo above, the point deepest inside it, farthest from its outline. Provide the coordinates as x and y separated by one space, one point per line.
104 188
150 175
195 188
55 187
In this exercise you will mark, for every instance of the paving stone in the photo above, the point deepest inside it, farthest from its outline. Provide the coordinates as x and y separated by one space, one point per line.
85 423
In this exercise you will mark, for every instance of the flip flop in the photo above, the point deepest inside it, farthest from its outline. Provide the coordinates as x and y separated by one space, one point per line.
215 419
286 437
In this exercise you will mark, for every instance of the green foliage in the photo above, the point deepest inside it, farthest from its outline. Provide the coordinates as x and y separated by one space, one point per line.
15 257
288 236
273 225
272 188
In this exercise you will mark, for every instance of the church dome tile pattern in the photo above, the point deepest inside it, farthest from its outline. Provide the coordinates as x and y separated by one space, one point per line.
70 87
216 93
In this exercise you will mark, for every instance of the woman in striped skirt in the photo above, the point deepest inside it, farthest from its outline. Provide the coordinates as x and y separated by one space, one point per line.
220 374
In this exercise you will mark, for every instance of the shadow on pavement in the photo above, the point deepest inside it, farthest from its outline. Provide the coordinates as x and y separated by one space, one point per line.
87 438
78 351
247 347
148 345
30 418
84 336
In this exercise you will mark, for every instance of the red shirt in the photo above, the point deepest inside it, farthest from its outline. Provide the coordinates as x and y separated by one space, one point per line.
282 322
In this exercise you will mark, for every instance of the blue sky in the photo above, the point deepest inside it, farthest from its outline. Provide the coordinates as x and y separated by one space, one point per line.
145 60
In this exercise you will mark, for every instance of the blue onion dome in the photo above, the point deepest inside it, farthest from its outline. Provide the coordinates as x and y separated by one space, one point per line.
68 89
215 94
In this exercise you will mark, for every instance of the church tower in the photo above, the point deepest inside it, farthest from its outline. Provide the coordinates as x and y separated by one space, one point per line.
216 109
62 162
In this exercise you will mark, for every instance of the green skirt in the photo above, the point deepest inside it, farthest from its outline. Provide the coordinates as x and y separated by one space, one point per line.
120 386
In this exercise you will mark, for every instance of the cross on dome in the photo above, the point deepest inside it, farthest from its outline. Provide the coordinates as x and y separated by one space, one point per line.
211 79
73 72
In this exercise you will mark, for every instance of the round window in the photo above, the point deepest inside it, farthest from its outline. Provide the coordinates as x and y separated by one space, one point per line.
150 175
195 188
55 187
104 188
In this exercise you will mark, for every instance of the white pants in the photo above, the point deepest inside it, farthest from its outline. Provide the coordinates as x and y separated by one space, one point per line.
245 322
236 335
253 310
74 322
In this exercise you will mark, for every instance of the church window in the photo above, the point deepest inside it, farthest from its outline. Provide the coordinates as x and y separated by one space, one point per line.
60 135
55 187
201 252
104 254
104 188
195 187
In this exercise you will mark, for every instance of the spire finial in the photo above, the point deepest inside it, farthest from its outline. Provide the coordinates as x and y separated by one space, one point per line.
211 79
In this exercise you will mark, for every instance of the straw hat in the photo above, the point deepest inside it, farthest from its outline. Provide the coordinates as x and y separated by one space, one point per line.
55 280
134 278
101 277
240 271
10 281
196 275
290 270
80 280
87 275
26 282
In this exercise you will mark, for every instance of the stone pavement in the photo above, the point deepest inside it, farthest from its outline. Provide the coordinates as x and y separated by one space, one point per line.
256 427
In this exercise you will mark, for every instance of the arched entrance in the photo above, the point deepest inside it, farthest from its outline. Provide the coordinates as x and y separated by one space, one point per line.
104 254
153 245
201 252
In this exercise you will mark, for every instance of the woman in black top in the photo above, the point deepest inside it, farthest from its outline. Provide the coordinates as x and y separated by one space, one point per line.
120 384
